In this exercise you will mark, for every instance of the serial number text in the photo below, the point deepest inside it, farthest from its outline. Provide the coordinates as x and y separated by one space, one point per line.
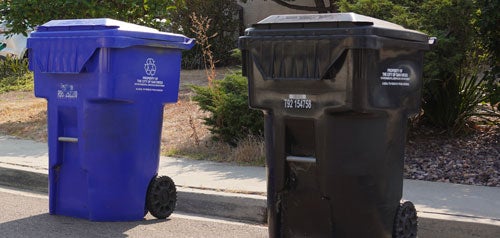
298 103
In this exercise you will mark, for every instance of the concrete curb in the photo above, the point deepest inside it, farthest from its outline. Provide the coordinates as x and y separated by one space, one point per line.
235 206
26 180
253 208
448 226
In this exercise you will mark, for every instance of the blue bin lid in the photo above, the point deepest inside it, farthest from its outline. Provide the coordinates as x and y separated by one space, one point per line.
101 27
68 44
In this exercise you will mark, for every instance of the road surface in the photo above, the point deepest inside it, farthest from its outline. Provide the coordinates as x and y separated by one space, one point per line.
24 214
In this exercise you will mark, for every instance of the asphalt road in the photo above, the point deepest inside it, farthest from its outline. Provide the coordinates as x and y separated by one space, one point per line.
24 214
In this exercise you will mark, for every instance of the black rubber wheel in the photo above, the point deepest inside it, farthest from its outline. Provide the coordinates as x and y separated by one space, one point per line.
161 197
405 222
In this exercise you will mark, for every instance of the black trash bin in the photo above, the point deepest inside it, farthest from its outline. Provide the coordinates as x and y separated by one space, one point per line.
336 91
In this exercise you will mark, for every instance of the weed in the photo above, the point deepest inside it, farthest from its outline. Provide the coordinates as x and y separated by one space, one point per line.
249 151
200 27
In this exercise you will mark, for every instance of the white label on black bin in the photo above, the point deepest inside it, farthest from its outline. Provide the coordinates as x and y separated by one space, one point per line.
395 77
297 101
149 82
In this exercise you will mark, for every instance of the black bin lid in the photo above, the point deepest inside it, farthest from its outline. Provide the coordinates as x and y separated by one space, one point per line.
331 24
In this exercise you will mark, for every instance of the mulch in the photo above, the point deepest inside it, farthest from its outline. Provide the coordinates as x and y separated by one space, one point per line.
472 159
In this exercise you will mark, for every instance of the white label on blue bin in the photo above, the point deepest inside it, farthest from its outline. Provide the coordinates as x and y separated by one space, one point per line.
67 91
395 77
297 101
149 82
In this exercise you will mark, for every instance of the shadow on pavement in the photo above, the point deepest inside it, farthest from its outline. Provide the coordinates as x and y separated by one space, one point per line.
46 225
218 170
20 179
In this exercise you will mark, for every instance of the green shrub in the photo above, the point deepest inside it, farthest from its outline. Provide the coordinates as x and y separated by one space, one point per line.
455 77
230 120
492 88
14 75
459 71
451 103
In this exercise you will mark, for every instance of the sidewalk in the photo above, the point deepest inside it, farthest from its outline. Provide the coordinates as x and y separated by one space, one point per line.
238 192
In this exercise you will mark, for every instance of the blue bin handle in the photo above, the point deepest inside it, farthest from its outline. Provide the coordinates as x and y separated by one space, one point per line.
189 43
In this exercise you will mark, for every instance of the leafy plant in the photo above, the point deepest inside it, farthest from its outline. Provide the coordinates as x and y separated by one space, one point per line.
455 77
486 22
231 120
454 101
23 15
492 88
383 9
459 72
14 75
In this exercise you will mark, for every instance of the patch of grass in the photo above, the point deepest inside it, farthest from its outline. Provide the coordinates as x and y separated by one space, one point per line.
14 75
207 149
16 83
249 151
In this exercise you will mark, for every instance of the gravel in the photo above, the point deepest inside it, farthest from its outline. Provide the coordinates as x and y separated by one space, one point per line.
472 159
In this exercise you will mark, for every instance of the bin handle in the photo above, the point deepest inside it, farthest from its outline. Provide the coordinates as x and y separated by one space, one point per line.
68 139
189 41
301 159
432 40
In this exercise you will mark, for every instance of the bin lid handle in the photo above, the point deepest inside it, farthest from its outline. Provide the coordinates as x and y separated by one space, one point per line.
432 40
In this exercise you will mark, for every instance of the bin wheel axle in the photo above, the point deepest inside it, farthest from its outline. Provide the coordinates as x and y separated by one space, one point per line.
405 222
161 197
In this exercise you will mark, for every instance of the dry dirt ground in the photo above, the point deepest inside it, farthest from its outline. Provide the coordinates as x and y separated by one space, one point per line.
184 134
471 159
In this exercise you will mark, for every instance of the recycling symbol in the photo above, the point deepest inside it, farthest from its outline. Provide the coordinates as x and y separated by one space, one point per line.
150 67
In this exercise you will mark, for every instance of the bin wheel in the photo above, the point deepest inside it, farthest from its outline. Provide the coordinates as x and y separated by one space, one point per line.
161 197
405 222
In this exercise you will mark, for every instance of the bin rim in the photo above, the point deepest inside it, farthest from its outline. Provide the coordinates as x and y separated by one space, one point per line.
328 17
106 27
72 42
326 24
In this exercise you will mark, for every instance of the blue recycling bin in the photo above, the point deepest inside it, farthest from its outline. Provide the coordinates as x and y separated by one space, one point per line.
106 82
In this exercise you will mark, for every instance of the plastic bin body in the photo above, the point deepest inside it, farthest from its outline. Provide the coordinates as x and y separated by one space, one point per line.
106 82
336 91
